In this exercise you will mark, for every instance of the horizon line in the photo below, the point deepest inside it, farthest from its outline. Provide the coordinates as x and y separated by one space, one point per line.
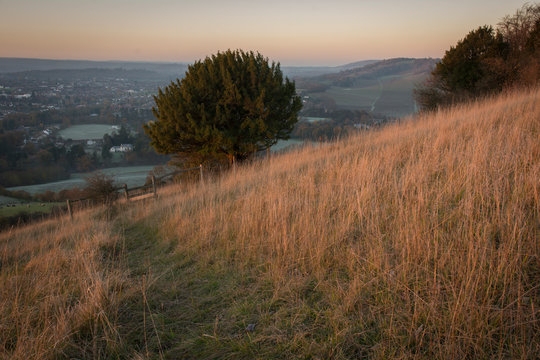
191 62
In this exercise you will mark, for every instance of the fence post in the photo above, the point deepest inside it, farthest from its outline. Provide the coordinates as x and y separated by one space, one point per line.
126 192
200 167
69 209
154 185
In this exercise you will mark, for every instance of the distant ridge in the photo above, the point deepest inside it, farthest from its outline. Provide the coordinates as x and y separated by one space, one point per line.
16 65
19 65
91 74
311 71
357 64
12 65
384 87
378 69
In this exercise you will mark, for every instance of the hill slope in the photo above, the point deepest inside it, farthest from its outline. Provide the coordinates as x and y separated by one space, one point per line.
383 87
419 240
397 67
311 71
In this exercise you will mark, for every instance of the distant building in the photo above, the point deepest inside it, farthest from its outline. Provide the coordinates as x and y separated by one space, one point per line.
122 148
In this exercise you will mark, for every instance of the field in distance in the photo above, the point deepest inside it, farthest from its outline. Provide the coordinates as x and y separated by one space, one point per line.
383 88
87 131
130 175
13 207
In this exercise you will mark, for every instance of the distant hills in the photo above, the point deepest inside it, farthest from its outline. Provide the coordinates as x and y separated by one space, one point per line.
310 71
12 65
90 73
399 67
381 87
160 70
16 65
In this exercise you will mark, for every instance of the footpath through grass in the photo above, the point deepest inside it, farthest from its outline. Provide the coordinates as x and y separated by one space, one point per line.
180 309
180 306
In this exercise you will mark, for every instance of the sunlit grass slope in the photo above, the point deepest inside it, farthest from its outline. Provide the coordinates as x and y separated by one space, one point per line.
420 240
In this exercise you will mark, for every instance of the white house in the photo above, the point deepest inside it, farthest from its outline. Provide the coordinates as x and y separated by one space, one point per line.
121 148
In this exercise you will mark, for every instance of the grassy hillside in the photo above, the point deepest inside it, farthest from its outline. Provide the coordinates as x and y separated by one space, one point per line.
420 240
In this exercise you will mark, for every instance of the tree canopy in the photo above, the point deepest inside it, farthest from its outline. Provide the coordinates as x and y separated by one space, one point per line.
233 103
465 66
486 61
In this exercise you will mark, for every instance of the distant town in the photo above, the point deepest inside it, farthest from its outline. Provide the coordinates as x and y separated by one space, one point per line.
54 123
58 118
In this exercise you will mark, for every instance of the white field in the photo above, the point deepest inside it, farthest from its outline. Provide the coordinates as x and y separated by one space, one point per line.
86 132
130 175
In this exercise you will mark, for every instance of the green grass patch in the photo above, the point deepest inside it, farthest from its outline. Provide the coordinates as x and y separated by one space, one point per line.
389 95
88 131
357 97
30 208
180 306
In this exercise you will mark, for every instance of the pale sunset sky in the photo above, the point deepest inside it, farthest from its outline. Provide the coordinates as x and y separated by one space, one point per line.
293 32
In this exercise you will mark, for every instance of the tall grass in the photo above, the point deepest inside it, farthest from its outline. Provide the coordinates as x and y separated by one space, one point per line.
57 294
419 240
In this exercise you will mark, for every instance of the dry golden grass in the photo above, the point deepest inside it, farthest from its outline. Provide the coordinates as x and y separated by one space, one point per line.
56 295
419 240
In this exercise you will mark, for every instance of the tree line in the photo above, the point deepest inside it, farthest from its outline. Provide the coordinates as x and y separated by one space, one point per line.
486 61
106 114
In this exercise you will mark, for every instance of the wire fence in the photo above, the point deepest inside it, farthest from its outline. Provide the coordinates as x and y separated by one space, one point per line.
134 193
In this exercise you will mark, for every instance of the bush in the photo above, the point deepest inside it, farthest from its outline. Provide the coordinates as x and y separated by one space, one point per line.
101 187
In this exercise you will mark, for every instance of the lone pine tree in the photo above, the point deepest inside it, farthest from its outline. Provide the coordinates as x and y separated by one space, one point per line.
233 103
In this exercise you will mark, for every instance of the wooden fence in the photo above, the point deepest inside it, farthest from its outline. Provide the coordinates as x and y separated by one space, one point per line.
139 192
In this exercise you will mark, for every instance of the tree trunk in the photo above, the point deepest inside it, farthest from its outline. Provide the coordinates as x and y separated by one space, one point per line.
232 161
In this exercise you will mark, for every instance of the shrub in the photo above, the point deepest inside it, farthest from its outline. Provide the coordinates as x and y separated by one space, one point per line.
101 187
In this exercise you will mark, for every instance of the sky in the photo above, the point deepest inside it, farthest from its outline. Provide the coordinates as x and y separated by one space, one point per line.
292 32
